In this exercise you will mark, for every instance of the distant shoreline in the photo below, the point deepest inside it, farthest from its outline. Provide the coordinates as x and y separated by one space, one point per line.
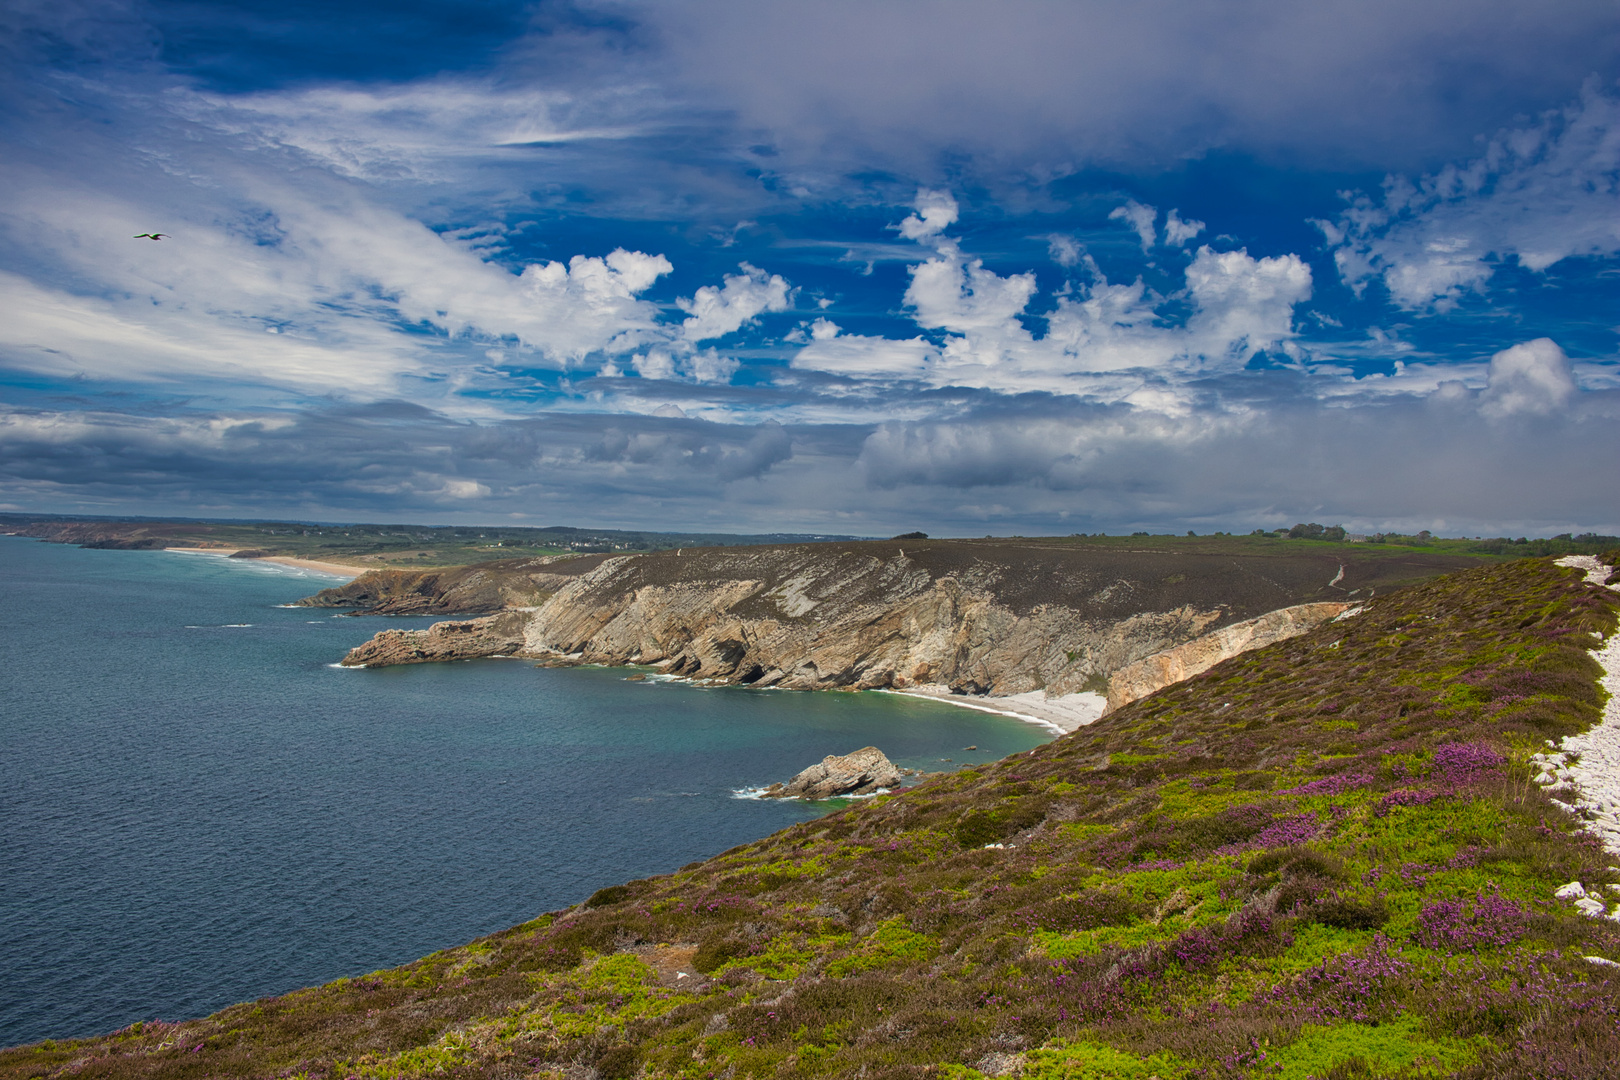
348 573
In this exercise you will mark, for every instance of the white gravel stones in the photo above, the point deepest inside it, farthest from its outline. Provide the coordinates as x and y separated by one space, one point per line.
1588 906
1601 961
1596 571
1587 766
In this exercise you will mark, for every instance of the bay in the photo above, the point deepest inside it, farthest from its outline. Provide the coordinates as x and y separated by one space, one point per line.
198 808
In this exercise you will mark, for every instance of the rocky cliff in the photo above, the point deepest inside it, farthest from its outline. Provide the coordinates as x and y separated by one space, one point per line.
502 585
981 617
1138 680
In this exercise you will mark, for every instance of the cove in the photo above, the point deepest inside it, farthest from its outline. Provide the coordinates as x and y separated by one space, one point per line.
198 808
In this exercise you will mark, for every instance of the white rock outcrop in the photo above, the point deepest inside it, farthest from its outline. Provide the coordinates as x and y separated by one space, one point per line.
1171 666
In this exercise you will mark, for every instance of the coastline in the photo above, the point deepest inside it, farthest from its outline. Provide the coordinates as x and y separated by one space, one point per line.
331 569
1060 715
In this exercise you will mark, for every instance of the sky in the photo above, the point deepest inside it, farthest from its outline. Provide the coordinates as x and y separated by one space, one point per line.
852 266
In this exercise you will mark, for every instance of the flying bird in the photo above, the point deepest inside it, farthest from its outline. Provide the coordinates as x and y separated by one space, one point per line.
149 236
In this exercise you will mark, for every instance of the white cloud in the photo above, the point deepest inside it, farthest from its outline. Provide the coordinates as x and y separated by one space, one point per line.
1177 232
465 489
953 293
654 364
1240 305
717 312
1064 250
66 336
1532 378
709 366
1244 304
1540 194
936 212
862 357
1140 218
427 131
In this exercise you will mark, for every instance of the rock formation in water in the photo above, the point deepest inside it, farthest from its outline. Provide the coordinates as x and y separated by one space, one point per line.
980 617
459 639
1155 672
862 772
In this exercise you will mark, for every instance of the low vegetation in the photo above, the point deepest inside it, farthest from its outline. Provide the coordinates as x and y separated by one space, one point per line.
1321 859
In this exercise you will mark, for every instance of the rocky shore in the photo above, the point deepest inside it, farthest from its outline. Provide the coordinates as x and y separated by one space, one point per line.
976 618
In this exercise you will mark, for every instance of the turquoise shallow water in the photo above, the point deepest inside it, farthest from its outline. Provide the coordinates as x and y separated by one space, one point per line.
197 809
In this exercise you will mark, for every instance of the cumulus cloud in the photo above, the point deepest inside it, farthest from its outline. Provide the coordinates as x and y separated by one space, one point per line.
707 366
936 212
1177 232
743 297
1538 194
1141 218
1064 250
1244 304
959 294
1532 378
1240 306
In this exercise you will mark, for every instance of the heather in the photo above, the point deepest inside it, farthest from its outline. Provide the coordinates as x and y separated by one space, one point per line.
1325 858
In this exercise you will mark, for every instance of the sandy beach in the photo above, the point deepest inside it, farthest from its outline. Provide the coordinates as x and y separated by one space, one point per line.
1060 714
348 573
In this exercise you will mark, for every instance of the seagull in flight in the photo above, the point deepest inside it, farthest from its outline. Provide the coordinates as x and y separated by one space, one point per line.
149 236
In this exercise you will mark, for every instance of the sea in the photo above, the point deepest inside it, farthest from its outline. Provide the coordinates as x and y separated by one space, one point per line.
198 807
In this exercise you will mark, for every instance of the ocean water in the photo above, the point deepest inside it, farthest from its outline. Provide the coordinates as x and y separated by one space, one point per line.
196 808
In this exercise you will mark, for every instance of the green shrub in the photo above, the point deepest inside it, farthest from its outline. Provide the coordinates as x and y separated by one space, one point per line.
716 950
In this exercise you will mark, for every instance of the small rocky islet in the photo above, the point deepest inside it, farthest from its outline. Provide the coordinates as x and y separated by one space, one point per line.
863 772
1329 856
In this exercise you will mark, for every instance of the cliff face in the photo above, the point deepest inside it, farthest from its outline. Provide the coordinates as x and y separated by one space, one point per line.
980 617
463 590
1152 673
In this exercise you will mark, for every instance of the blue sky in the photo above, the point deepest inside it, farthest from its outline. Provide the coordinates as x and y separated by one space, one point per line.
856 267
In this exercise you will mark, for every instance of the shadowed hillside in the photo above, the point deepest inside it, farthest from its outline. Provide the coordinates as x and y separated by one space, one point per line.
1325 857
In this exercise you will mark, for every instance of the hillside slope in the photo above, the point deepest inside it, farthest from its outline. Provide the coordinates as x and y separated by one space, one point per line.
1322 858
980 617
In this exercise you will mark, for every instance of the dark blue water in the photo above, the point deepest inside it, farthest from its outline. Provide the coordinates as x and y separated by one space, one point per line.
194 812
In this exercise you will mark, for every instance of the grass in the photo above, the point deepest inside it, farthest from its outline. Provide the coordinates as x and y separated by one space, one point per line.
1321 859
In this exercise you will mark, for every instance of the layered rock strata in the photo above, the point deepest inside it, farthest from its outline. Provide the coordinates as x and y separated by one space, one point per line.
461 639
1162 669
992 617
